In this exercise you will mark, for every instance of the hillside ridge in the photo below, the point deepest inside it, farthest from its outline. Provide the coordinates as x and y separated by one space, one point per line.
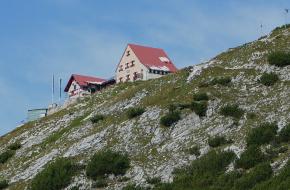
155 150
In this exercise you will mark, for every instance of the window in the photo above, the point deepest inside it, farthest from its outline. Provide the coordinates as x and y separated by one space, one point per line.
135 76
128 53
127 78
127 66
121 68
132 63
120 79
75 87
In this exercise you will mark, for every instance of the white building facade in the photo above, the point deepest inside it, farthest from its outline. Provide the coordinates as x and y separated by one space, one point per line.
143 63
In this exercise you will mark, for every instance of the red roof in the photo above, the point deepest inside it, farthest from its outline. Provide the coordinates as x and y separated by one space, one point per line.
154 58
82 80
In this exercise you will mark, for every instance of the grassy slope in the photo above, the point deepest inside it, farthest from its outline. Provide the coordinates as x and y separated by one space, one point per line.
265 102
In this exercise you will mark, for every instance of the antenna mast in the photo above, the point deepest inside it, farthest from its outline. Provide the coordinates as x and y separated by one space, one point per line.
261 26
286 13
52 95
60 80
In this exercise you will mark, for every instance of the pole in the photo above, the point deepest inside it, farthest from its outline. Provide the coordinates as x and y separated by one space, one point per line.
286 13
261 29
60 90
52 98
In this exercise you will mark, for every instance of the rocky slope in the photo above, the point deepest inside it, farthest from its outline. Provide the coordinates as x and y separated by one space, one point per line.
155 151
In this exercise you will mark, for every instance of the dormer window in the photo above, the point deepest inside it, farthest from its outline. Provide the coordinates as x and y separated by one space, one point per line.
128 53
164 59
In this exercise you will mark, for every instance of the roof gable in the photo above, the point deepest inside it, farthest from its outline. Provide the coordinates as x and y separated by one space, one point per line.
154 58
83 80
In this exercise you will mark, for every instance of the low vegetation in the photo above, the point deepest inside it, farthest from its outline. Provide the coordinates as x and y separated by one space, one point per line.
250 157
200 97
232 111
5 156
3 184
284 134
263 134
199 107
258 174
279 59
202 173
135 112
269 79
97 118
218 141
224 81
195 150
100 182
57 175
107 162
134 187
153 181
14 146
279 182
170 118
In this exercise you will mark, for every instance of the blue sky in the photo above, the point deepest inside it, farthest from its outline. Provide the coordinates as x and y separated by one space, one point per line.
41 37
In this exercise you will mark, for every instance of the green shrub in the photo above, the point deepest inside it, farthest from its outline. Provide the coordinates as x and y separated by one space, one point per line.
221 81
100 182
203 172
3 184
182 106
5 156
165 186
217 141
279 59
200 97
232 111
134 112
107 162
97 118
284 134
154 180
250 157
282 149
263 134
57 175
134 187
172 107
251 115
75 188
199 108
170 118
194 151
258 174
278 182
14 146
227 180
268 79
